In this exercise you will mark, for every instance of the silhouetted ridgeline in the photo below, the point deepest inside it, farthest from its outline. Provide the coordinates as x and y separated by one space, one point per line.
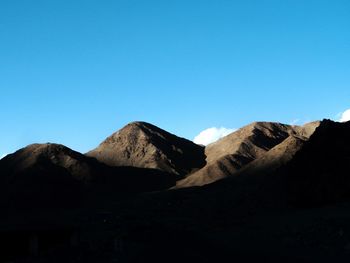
319 173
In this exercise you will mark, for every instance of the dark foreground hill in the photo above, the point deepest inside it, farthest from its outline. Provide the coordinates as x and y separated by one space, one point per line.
319 173
140 144
51 175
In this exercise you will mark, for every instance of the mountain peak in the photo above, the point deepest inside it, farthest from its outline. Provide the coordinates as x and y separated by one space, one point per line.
234 151
36 156
144 145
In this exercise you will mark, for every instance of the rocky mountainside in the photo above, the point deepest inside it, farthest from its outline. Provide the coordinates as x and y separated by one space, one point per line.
51 156
45 175
52 175
140 144
296 173
226 156
289 205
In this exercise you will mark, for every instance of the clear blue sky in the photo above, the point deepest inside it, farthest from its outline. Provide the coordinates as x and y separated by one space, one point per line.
75 71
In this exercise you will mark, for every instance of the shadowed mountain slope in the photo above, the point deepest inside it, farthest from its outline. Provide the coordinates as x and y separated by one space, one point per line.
140 144
273 159
256 213
231 153
45 175
298 172
46 155
295 174
319 173
51 175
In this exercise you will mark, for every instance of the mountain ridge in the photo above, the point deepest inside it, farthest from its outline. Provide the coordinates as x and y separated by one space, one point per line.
232 152
287 202
53 175
142 144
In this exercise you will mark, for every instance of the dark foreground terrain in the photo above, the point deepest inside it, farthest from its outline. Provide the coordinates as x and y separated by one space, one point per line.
266 193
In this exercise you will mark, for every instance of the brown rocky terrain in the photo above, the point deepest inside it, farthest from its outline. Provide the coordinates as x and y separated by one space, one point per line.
226 156
140 144
275 157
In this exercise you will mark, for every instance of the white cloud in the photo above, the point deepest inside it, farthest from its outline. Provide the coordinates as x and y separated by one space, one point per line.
345 116
295 122
2 156
211 135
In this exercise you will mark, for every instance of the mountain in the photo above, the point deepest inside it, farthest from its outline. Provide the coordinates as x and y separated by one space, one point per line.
275 158
52 175
49 156
300 172
226 156
140 144
282 153
45 175
288 203
319 173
